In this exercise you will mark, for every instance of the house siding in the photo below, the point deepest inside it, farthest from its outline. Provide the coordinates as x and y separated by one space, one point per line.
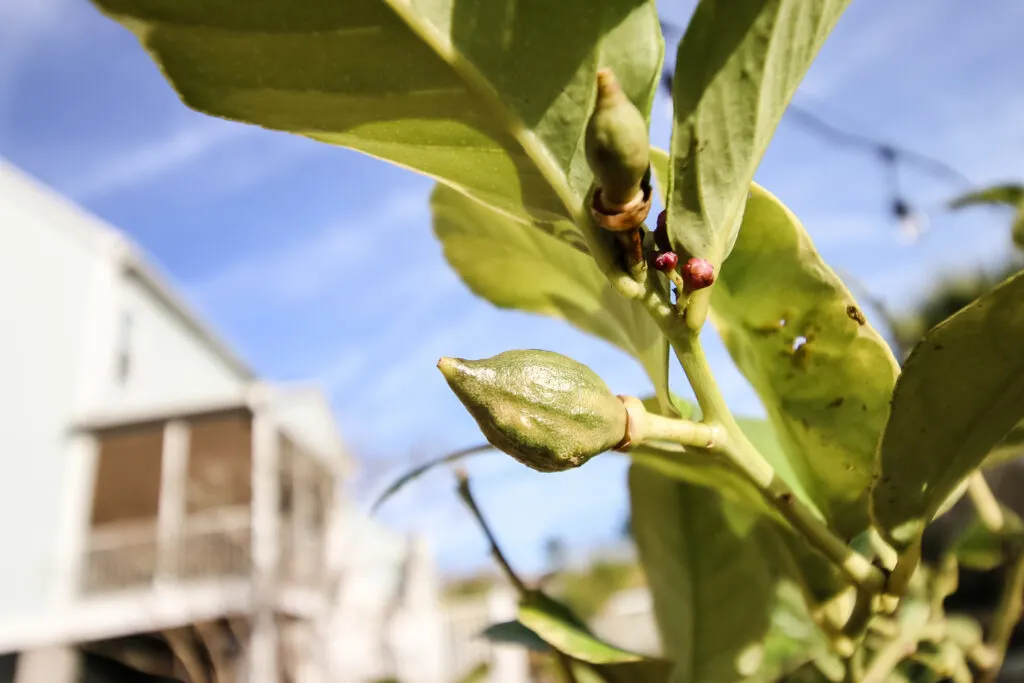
47 274
169 363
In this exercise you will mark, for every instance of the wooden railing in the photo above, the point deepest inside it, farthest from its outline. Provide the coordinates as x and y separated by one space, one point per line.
211 546
129 555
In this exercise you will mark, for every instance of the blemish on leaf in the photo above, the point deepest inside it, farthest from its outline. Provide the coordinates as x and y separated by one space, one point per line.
855 314
786 498
835 403
799 343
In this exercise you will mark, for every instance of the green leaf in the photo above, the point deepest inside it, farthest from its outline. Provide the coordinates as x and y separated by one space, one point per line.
515 633
556 625
960 394
634 671
1010 448
413 474
737 67
816 575
644 671
1009 194
478 674
435 86
713 589
793 638
706 469
514 267
977 547
824 375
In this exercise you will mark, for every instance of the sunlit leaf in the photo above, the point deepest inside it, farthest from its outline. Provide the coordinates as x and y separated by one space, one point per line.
737 67
960 394
514 267
515 633
437 87
823 373
1009 194
559 627
712 586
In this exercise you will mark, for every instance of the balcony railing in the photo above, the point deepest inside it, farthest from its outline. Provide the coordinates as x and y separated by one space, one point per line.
131 556
213 546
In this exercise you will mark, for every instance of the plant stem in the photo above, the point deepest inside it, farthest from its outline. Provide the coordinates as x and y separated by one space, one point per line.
906 565
863 609
889 657
656 427
738 449
565 667
1007 614
989 511
886 553
467 497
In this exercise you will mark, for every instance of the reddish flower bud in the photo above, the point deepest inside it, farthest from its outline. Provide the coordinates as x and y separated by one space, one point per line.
698 274
666 261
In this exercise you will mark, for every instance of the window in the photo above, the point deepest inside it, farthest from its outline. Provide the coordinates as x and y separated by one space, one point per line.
124 358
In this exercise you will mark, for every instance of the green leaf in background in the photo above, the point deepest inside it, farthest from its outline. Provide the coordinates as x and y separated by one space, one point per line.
823 373
1011 195
793 638
644 671
556 625
514 267
737 67
515 633
979 548
712 586
1010 448
435 86
478 674
960 394
634 671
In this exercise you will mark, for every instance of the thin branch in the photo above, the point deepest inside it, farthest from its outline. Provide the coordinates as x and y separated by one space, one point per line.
1007 614
889 657
989 511
467 497
415 472
565 667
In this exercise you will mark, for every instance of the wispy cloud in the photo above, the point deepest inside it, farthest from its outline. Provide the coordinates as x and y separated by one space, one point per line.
348 246
137 165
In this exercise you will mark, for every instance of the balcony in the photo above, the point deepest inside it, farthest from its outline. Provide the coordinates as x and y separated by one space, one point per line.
183 497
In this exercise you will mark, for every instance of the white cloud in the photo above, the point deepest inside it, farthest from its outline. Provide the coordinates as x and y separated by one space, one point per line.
156 157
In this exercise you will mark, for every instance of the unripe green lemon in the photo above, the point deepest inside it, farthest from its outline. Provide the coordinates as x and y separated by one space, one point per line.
545 410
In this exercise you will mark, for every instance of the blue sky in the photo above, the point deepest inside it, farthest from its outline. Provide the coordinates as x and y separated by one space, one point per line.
281 242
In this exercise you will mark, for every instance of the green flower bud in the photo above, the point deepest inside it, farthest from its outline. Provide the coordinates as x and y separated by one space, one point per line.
545 410
617 142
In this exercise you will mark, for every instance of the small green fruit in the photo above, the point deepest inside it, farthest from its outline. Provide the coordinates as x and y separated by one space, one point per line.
545 410
617 142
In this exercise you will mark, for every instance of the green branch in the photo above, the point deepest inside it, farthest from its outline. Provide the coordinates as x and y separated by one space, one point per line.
989 511
1007 615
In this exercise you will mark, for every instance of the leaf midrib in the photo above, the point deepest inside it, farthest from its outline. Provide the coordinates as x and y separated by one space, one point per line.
476 82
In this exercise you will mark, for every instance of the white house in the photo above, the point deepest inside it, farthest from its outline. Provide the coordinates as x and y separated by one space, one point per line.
154 492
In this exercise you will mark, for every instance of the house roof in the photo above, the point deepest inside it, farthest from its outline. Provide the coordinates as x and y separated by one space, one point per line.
59 211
